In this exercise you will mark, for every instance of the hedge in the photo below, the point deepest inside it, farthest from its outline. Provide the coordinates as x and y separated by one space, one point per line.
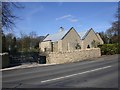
110 49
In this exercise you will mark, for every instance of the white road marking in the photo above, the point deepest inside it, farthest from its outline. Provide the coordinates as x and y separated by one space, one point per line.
75 74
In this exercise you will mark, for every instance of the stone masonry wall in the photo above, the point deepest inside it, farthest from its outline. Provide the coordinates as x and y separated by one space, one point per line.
46 45
89 38
72 56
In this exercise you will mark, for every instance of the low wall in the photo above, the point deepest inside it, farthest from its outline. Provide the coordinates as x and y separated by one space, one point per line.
4 60
72 56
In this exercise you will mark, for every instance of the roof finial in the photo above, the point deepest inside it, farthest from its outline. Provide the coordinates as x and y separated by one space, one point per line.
61 29
91 28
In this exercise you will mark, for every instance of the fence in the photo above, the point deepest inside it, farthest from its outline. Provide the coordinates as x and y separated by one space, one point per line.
23 57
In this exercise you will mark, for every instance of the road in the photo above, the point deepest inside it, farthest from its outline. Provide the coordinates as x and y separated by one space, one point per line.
99 72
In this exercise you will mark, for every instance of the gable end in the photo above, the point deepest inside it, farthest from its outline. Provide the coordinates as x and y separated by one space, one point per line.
72 28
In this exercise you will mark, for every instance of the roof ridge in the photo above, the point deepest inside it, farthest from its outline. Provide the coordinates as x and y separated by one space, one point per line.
67 32
55 36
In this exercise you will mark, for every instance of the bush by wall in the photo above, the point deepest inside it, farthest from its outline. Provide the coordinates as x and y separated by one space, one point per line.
110 49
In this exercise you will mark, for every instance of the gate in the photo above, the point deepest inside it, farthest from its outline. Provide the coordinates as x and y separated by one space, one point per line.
20 58
42 60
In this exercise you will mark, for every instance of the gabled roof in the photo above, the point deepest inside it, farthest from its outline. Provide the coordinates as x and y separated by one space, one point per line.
55 37
82 34
85 33
88 33
72 28
58 36
99 37
61 34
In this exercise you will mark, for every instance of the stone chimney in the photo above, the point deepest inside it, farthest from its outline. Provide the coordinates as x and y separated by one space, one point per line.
61 29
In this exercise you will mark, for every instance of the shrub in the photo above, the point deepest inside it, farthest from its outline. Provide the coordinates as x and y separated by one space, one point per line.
109 49
78 46
117 45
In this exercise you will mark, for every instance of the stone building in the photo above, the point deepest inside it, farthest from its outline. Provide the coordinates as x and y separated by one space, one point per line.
70 40
90 39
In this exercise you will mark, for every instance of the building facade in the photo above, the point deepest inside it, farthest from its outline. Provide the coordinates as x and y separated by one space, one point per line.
70 40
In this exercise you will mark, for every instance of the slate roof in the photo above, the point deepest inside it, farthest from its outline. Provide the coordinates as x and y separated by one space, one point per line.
59 35
85 33
55 37
82 34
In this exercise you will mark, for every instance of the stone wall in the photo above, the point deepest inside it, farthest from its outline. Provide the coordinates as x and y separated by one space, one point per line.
70 41
4 60
55 46
100 39
72 56
45 45
89 38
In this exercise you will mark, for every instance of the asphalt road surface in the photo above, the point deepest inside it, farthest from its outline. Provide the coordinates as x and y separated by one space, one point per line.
99 72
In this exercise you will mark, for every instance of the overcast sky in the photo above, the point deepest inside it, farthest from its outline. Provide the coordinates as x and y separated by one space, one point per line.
47 17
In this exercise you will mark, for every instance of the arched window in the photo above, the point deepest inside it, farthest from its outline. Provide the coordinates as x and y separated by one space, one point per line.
45 49
88 46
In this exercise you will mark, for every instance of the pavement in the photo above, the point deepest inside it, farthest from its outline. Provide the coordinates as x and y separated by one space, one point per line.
30 65
26 65
99 72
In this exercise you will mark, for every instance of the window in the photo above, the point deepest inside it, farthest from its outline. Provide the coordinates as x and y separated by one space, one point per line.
45 49
78 46
88 46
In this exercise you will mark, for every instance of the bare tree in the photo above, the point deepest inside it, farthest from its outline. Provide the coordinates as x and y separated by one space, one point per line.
32 34
8 18
114 31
